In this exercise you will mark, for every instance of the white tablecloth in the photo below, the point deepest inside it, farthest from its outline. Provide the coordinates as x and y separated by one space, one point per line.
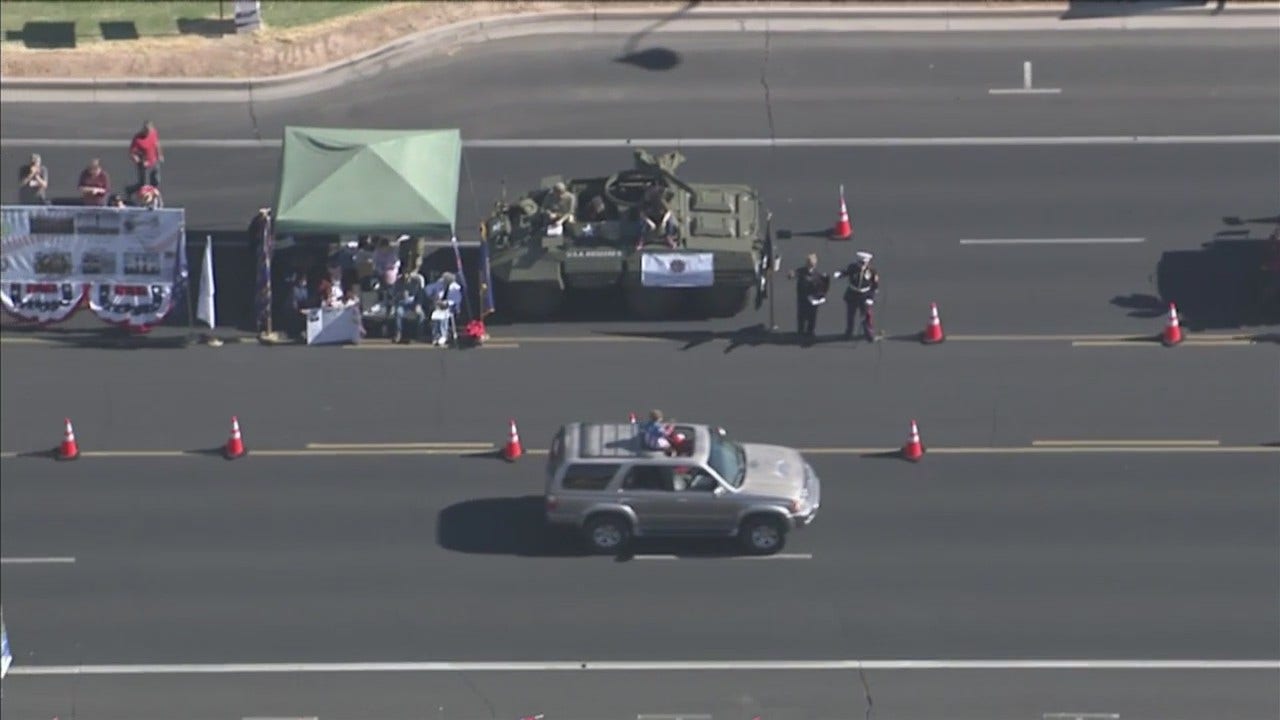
333 326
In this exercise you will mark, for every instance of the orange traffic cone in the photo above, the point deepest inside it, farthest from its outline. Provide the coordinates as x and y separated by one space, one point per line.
513 450
913 450
843 229
68 450
1172 330
235 445
933 331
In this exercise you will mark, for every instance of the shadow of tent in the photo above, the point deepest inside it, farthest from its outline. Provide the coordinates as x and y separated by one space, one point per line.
1082 9
119 30
46 35
1222 285
504 526
208 27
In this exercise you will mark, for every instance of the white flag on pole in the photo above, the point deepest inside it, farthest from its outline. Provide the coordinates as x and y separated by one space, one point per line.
204 306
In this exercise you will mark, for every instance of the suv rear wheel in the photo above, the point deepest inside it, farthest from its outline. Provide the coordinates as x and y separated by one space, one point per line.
762 535
608 533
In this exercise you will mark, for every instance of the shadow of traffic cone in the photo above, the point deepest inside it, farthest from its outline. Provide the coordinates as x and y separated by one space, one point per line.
913 450
235 445
1172 330
843 229
68 450
933 334
512 450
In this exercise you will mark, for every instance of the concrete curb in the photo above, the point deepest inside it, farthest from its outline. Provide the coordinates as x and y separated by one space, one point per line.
960 17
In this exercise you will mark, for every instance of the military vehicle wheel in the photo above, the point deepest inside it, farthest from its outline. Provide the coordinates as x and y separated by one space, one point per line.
762 535
533 302
652 303
608 533
722 302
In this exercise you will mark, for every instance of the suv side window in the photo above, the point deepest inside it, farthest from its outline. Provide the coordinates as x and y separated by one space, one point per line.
588 477
648 477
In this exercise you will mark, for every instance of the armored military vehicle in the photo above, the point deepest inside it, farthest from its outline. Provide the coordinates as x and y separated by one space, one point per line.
669 246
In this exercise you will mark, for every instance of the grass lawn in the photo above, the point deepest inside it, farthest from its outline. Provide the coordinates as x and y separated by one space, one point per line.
159 19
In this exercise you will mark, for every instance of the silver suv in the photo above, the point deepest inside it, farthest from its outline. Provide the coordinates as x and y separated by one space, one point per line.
602 479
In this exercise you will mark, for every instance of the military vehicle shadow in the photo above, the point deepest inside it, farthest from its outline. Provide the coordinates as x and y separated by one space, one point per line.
756 335
504 526
1231 282
586 306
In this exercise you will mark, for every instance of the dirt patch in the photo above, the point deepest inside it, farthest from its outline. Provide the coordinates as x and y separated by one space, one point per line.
271 51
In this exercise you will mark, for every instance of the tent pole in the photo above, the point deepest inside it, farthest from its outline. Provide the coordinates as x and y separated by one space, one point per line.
191 312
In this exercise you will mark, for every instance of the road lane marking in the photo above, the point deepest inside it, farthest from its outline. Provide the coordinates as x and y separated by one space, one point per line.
1125 443
757 142
1026 88
642 665
406 445
776 556
1117 447
1053 241
1155 342
37 561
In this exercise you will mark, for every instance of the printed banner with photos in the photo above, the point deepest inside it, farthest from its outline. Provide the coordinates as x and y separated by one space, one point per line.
124 262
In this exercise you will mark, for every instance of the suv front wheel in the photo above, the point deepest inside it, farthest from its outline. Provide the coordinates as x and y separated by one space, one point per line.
608 533
762 535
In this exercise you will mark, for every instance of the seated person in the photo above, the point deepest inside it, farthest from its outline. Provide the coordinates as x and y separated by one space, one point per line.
596 210
657 434
558 208
445 302
408 298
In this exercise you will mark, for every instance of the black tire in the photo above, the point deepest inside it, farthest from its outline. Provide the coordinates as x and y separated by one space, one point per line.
607 534
762 535
645 303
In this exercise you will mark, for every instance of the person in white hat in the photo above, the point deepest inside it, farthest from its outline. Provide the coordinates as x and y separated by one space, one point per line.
864 281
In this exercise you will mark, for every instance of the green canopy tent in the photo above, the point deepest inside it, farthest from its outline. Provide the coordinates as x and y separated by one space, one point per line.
378 182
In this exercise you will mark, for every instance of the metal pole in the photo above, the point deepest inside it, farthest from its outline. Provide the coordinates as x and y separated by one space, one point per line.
191 312
773 325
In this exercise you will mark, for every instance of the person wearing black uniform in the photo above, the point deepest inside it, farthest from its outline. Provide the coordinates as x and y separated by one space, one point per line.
864 280
811 292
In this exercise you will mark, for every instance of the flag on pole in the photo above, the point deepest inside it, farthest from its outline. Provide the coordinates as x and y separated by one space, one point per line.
261 227
486 281
6 657
457 258
204 304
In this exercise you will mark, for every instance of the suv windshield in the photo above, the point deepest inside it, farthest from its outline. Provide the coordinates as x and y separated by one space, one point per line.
728 459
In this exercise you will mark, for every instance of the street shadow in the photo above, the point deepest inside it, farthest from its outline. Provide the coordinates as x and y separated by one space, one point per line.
1084 9
207 27
593 306
1141 305
504 526
657 58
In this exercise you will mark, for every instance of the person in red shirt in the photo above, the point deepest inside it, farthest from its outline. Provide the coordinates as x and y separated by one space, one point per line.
95 184
146 155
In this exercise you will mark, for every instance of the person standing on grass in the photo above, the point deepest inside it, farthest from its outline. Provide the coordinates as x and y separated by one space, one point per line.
146 155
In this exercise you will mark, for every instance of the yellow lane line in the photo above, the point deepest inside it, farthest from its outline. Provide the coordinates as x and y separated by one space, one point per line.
403 446
1122 443
1155 343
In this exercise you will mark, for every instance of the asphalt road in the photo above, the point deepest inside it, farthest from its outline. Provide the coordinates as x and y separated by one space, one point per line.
696 695
995 546
820 85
